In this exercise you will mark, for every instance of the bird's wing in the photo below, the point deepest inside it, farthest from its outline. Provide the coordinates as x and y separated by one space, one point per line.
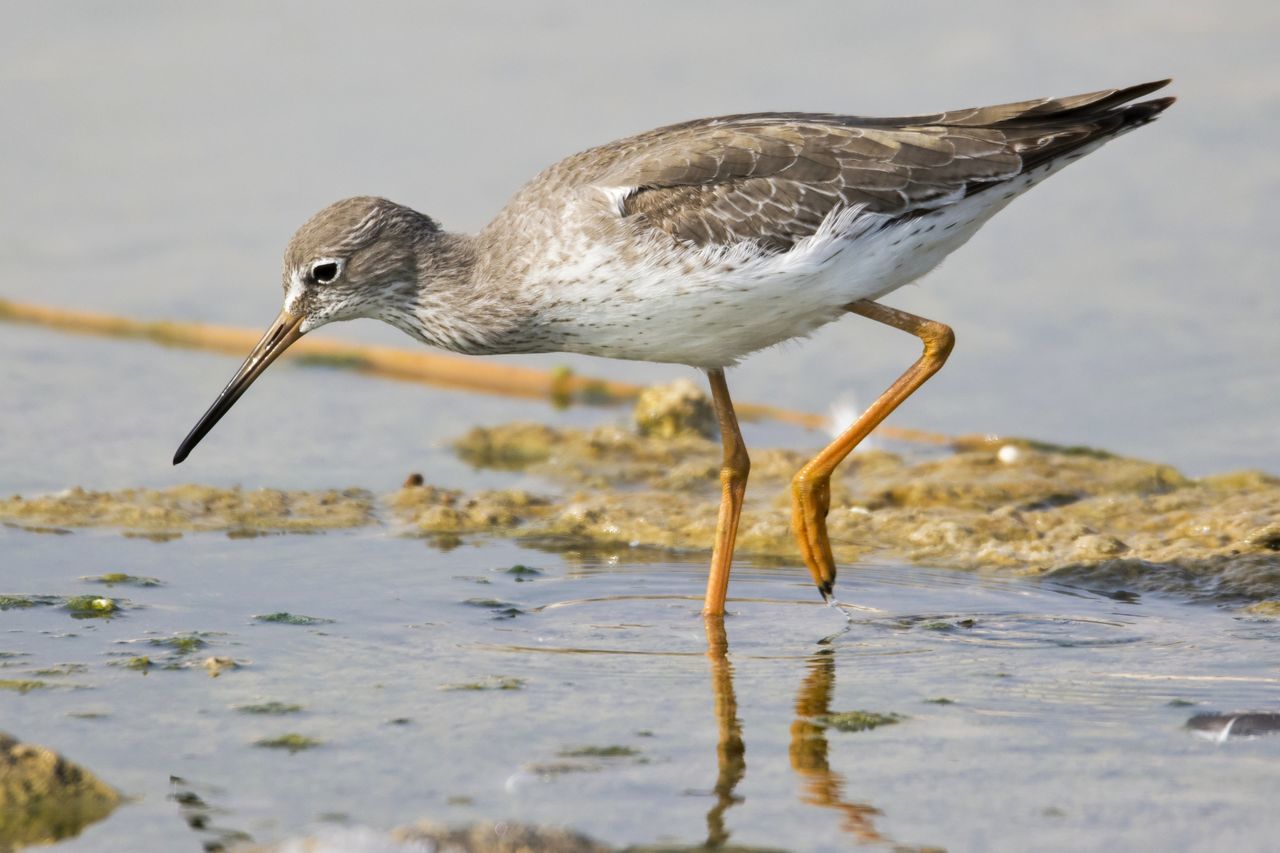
772 178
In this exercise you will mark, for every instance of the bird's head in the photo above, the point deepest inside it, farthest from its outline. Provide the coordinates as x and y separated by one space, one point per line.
353 259
357 257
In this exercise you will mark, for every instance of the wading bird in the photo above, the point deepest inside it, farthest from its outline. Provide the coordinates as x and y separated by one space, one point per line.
699 243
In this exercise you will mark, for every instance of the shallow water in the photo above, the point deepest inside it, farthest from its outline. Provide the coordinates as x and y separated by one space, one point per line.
1060 733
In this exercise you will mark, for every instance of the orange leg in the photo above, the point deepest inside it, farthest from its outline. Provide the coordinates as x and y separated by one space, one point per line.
808 753
811 486
733 485
731 752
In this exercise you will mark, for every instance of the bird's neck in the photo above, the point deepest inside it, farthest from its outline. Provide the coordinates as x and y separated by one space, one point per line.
455 304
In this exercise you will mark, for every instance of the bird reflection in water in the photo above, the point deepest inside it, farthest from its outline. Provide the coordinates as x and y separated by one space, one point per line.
808 749
731 752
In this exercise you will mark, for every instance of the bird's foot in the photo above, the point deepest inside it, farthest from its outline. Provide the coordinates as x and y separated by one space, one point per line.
810 501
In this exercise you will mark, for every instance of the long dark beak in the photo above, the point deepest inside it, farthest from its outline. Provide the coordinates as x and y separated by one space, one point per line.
283 332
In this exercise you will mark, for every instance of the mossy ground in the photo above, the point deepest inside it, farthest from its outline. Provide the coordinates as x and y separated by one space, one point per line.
1020 507
44 797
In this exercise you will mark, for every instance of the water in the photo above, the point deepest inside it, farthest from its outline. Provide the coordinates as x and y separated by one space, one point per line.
1060 728
159 157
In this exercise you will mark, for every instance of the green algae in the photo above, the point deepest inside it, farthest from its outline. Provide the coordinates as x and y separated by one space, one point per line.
292 742
122 579
22 602
269 708
141 663
490 603
493 837
152 535
165 513
61 669
857 721
941 700
91 606
445 511
1067 449
548 770
36 528
285 618
500 609
22 685
611 751
181 644
494 682
511 447
79 606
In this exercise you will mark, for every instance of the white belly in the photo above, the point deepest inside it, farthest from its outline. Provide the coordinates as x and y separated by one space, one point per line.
709 308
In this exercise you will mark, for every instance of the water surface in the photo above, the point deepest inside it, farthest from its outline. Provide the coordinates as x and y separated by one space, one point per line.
1062 726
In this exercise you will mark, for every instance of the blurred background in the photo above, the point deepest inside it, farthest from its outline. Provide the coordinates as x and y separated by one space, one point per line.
157 157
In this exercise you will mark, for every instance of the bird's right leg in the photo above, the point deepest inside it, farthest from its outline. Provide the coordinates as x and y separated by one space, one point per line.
811 487
733 486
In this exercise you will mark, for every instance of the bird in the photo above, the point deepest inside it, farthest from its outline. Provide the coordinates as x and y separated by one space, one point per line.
699 243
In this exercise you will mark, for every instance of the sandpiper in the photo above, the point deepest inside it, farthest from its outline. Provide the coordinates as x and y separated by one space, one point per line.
699 243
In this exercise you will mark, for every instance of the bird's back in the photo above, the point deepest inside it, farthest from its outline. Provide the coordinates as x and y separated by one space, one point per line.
772 178
703 241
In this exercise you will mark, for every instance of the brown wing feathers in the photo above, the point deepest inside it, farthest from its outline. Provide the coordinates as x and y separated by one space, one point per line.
773 177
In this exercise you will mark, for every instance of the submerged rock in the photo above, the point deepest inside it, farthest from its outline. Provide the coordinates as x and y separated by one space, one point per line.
857 721
1077 515
673 410
1084 516
498 838
195 508
44 797
433 510
602 457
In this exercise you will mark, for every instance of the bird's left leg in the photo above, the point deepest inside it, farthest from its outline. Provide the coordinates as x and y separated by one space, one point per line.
811 487
733 486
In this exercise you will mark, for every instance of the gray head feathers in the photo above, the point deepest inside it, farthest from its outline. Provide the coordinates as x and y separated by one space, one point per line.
354 223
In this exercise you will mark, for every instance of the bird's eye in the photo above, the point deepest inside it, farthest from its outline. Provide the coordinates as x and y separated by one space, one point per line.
325 272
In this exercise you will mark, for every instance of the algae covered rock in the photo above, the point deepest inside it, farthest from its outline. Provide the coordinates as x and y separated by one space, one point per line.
44 797
433 510
509 447
1077 515
601 457
180 509
507 837
678 409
